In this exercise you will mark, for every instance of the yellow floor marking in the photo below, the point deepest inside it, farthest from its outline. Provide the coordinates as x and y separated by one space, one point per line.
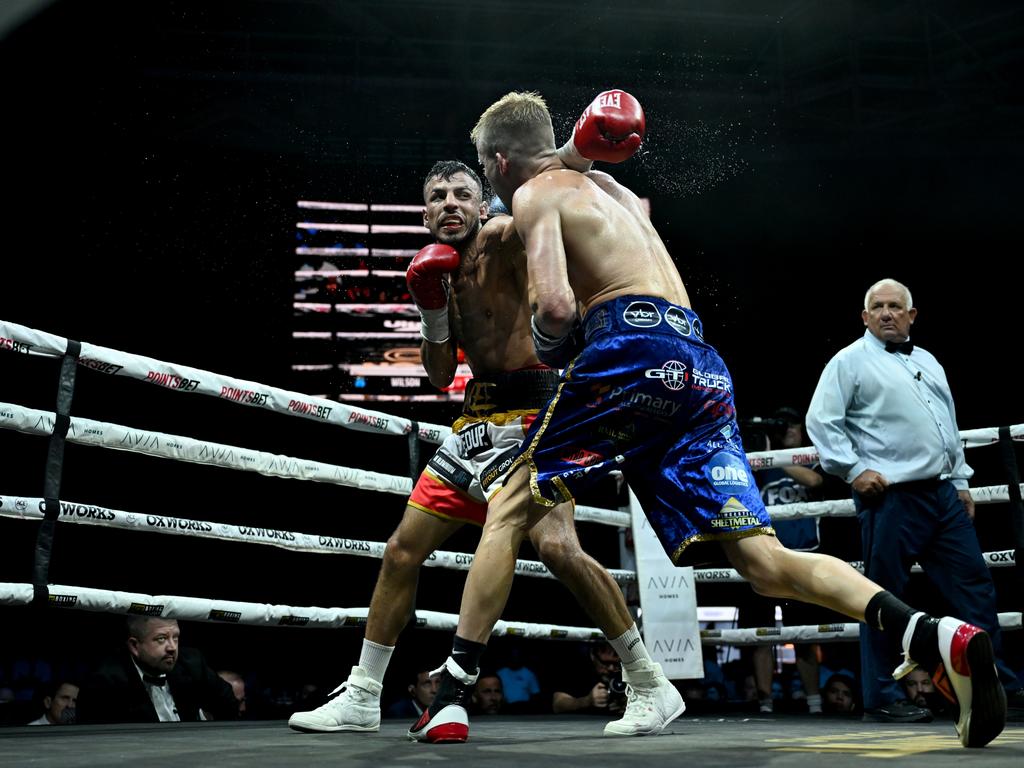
883 744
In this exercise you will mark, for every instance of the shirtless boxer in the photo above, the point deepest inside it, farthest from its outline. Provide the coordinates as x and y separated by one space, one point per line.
642 391
488 315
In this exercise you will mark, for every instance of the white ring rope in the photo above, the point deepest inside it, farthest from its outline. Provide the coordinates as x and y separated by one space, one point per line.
17 338
998 559
102 434
33 508
808 633
98 433
183 378
234 612
805 457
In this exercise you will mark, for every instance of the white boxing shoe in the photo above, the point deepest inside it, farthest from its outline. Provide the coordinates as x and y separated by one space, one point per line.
652 702
355 706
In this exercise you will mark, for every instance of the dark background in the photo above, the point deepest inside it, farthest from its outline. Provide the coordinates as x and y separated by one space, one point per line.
153 153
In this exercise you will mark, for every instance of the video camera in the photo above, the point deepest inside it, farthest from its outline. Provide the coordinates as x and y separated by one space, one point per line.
616 690
758 432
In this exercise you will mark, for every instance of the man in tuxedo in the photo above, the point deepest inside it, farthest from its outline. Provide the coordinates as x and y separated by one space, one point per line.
155 681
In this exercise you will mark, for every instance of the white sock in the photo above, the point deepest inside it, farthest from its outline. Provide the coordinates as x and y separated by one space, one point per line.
814 704
374 659
631 649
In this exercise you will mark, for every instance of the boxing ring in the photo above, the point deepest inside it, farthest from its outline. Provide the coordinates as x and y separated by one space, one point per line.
494 740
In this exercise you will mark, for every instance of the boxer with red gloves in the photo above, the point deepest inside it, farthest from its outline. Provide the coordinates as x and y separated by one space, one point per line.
648 396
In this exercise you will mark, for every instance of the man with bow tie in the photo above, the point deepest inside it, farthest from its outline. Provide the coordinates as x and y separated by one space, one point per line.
155 681
882 419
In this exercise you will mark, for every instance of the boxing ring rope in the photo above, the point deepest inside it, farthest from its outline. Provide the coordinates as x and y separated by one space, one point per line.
18 338
28 508
183 378
259 614
103 434
262 614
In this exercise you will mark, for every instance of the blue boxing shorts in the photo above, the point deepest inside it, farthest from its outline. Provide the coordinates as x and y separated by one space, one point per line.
649 396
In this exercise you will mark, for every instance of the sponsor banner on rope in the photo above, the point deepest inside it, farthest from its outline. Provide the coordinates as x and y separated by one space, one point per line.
530 566
100 366
13 345
216 614
295 621
716 574
669 603
145 609
346 545
244 396
62 601
172 381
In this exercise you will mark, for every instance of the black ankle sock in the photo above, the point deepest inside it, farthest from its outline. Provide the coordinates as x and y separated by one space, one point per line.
889 613
467 654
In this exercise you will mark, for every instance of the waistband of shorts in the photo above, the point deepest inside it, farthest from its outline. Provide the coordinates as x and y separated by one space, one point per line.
524 390
642 313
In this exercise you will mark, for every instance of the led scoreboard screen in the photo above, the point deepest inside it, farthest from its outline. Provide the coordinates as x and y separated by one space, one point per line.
356 330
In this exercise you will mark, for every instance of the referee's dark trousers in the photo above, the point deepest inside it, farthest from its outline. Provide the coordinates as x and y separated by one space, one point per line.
922 521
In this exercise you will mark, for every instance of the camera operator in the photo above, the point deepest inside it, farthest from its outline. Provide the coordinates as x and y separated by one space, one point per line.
598 689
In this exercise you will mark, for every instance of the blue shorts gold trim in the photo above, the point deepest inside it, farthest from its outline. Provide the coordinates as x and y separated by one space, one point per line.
650 397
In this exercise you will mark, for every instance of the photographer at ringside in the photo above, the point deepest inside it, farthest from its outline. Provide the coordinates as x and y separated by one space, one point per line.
592 689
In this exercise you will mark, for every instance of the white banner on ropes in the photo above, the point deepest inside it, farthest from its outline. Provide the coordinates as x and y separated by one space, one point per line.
668 602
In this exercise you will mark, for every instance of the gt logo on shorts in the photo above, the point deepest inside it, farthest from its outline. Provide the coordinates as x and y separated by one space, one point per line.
672 374
473 440
642 314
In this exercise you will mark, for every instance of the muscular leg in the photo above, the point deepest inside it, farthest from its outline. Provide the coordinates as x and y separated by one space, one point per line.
394 596
509 517
356 707
554 537
809 577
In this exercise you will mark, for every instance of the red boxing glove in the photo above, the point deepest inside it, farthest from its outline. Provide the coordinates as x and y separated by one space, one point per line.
425 278
611 128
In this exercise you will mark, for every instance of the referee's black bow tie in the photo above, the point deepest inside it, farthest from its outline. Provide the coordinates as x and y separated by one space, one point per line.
906 347
154 680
